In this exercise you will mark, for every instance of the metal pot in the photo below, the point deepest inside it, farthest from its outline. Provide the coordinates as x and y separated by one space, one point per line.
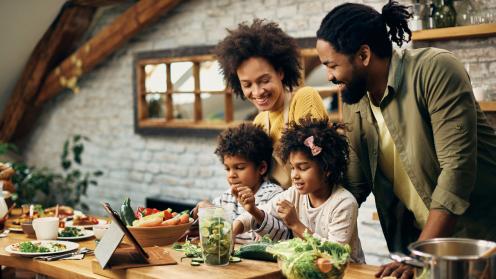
450 258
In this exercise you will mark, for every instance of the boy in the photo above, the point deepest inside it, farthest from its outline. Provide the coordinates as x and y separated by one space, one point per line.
246 152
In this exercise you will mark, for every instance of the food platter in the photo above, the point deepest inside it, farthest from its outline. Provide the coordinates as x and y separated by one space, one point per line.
100 222
83 235
53 246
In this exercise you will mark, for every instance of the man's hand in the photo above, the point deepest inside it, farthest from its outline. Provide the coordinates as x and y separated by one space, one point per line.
395 269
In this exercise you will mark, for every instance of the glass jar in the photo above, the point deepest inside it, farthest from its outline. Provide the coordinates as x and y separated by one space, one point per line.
444 14
215 235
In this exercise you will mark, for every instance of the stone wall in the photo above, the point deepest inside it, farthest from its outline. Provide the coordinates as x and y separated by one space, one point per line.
185 168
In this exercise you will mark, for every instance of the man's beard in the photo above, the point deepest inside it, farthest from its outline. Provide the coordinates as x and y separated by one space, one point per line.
354 90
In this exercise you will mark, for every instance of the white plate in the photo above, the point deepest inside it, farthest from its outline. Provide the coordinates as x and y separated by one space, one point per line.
69 246
100 222
86 234
15 229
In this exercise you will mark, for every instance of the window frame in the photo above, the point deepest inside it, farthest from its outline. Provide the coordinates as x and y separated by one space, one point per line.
196 126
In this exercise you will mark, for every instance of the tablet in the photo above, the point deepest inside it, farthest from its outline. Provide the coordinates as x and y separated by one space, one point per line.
116 219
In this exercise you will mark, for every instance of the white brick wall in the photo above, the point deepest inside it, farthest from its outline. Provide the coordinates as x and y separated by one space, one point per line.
183 168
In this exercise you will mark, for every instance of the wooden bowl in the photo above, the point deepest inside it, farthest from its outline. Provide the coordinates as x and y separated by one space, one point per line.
159 236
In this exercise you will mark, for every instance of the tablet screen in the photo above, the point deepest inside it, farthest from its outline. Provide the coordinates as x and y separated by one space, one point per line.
115 218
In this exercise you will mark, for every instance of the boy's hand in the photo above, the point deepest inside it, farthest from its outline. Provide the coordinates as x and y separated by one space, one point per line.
287 213
245 197
199 205
237 229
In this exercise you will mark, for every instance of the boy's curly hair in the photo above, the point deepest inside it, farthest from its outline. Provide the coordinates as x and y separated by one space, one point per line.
260 39
334 156
248 141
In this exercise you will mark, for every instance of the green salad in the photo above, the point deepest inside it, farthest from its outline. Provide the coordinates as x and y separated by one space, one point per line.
38 247
71 232
311 258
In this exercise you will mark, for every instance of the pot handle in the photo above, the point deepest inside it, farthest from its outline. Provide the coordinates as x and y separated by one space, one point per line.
402 258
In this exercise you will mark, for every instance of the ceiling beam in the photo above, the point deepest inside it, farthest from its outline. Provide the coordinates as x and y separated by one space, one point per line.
56 44
102 45
97 3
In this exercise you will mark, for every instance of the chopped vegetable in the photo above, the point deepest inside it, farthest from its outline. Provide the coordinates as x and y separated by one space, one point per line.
190 250
310 258
37 247
324 265
71 232
216 240
127 214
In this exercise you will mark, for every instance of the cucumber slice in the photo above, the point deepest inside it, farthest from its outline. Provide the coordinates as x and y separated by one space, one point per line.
195 263
235 259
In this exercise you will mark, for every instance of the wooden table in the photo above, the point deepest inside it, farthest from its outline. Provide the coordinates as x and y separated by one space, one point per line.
82 268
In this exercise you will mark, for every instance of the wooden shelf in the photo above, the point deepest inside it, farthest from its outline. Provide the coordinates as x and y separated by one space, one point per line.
488 106
458 32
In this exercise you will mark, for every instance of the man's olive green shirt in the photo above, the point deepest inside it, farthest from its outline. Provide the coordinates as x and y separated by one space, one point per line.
445 143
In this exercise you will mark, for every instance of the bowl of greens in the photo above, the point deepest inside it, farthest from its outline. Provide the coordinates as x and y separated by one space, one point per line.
311 258
215 235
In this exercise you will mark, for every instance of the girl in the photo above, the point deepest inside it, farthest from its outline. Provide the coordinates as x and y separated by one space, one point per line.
317 202
261 63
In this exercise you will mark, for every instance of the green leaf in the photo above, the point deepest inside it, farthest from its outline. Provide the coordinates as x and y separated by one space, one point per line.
98 173
66 164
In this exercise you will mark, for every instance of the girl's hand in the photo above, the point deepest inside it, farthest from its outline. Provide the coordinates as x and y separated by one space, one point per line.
287 213
245 197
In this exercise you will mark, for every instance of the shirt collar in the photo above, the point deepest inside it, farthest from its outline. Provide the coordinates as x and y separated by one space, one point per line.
395 75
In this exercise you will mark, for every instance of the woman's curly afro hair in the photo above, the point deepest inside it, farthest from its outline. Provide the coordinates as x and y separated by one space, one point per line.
248 141
260 39
333 158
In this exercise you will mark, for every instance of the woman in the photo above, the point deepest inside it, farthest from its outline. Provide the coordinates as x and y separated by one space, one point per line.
261 63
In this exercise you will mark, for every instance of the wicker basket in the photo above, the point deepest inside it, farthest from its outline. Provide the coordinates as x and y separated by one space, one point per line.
159 236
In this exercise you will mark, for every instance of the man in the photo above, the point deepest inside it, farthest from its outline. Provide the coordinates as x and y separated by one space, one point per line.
418 139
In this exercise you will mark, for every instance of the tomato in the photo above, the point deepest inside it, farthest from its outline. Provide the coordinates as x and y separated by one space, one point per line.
139 212
324 265
167 215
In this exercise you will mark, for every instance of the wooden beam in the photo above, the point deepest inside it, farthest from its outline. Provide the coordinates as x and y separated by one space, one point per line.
59 40
198 115
103 44
97 3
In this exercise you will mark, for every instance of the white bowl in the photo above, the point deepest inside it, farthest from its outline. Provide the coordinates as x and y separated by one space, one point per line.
100 230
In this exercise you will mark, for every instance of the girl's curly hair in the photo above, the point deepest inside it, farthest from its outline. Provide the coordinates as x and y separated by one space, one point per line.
260 39
248 141
333 158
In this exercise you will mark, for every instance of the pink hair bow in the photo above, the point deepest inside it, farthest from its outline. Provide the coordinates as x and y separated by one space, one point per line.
313 148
